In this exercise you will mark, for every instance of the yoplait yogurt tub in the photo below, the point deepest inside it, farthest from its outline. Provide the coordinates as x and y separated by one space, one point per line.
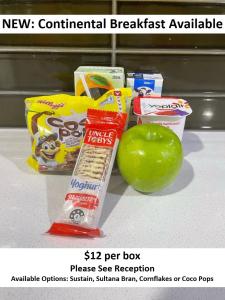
166 111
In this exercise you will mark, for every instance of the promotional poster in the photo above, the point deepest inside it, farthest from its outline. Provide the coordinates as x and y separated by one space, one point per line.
112 149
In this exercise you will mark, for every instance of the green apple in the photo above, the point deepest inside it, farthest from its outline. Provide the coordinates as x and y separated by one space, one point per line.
149 157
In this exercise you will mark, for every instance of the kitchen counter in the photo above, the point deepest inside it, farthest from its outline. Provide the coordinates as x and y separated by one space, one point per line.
189 213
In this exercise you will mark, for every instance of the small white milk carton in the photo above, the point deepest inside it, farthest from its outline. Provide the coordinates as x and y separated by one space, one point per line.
145 84
166 111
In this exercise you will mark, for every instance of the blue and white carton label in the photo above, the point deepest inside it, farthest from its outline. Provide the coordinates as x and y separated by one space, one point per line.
145 84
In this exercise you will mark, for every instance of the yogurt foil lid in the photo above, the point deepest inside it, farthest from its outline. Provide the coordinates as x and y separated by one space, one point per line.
161 106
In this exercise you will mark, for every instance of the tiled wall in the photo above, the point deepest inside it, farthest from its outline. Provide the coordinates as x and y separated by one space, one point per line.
193 66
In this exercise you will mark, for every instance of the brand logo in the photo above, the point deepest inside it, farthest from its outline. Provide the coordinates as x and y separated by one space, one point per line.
100 137
51 104
67 128
81 185
144 86
165 106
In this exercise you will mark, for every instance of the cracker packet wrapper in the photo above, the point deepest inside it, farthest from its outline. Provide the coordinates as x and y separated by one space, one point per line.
88 185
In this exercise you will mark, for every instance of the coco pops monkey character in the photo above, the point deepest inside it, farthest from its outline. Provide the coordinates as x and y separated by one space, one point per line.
46 149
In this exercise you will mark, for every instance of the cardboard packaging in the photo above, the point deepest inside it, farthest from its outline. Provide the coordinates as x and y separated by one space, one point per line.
145 84
95 81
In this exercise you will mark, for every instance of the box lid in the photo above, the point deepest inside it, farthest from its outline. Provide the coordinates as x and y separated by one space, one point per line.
100 69
147 76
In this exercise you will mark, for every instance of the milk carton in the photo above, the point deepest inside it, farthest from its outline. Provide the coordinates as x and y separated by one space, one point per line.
145 84
166 111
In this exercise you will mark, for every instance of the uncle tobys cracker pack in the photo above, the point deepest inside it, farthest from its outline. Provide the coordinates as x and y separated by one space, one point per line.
56 126
87 188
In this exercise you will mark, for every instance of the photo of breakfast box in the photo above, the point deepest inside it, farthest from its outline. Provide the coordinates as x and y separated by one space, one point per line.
95 81
166 111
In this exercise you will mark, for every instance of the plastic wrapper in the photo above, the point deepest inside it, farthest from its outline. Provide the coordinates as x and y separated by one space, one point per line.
56 126
88 185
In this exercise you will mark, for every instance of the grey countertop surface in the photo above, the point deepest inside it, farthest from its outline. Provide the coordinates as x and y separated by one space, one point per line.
189 213
113 293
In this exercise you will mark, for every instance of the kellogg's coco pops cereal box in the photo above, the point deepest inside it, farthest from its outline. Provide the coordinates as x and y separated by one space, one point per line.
166 111
56 126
